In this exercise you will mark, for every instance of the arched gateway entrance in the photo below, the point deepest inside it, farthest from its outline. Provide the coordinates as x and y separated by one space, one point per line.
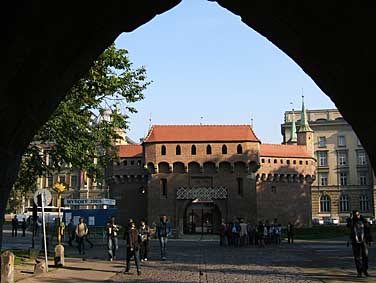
202 216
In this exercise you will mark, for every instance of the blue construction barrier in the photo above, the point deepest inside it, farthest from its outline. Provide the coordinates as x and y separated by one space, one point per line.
93 217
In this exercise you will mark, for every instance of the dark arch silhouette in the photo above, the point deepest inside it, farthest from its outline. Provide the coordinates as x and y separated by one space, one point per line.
294 27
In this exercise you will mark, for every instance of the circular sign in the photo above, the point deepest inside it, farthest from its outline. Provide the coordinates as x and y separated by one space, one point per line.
47 197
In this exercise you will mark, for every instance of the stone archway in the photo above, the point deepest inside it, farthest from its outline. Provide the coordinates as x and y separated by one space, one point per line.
202 217
322 38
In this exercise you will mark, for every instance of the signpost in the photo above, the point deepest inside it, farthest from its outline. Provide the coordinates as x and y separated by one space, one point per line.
101 201
45 197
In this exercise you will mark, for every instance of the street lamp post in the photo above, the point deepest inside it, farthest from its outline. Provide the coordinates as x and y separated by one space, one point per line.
59 187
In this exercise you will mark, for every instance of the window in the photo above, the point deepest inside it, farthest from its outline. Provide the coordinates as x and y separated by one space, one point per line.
273 189
323 179
125 163
49 159
294 161
344 204
361 157
164 187
262 160
193 150
364 203
74 181
363 180
275 161
163 150
288 161
240 186
62 178
239 149
323 158
224 149
132 162
341 141
322 141
50 181
281 161
325 203
343 178
139 163
342 158
208 149
300 162
178 150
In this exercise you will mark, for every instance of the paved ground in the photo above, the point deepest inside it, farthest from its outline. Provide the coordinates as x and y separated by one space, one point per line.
194 260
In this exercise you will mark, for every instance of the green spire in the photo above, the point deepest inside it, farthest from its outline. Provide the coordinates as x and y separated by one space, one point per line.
293 138
304 126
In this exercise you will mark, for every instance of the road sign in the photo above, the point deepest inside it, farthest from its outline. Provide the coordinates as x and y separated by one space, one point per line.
47 197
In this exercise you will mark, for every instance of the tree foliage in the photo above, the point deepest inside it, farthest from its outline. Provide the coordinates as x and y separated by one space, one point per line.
78 133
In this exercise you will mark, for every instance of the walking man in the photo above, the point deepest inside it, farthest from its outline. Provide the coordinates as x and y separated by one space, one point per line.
24 227
81 232
133 247
112 238
14 226
144 245
163 232
359 238
71 232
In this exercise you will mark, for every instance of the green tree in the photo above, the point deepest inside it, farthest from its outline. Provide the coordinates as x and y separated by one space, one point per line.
77 133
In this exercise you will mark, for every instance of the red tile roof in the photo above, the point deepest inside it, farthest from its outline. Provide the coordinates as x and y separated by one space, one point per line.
130 150
200 133
284 150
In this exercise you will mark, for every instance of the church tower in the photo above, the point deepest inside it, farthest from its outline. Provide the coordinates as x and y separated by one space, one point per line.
305 133
293 137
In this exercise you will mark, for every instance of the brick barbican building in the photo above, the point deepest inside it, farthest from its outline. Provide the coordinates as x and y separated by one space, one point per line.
200 174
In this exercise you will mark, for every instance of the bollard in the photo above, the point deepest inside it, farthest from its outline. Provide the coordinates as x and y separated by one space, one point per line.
7 267
59 256
40 267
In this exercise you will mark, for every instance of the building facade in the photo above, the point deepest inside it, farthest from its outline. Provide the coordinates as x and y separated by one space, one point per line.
200 174
344 177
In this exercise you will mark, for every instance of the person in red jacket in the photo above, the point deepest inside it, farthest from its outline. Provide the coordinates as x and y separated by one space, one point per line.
133 247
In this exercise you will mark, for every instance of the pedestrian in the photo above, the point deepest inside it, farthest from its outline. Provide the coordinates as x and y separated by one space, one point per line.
359 238
144 231
163 232
243 233
133 247
14 226
222 233
24 227
86 238
278 234
112 238
260 234
235 230
81 232
290 233
71 232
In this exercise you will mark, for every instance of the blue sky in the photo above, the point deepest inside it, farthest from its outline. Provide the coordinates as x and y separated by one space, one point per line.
205 62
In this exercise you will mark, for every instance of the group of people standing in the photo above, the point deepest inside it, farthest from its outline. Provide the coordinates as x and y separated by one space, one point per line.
16 224
137 240
239 233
